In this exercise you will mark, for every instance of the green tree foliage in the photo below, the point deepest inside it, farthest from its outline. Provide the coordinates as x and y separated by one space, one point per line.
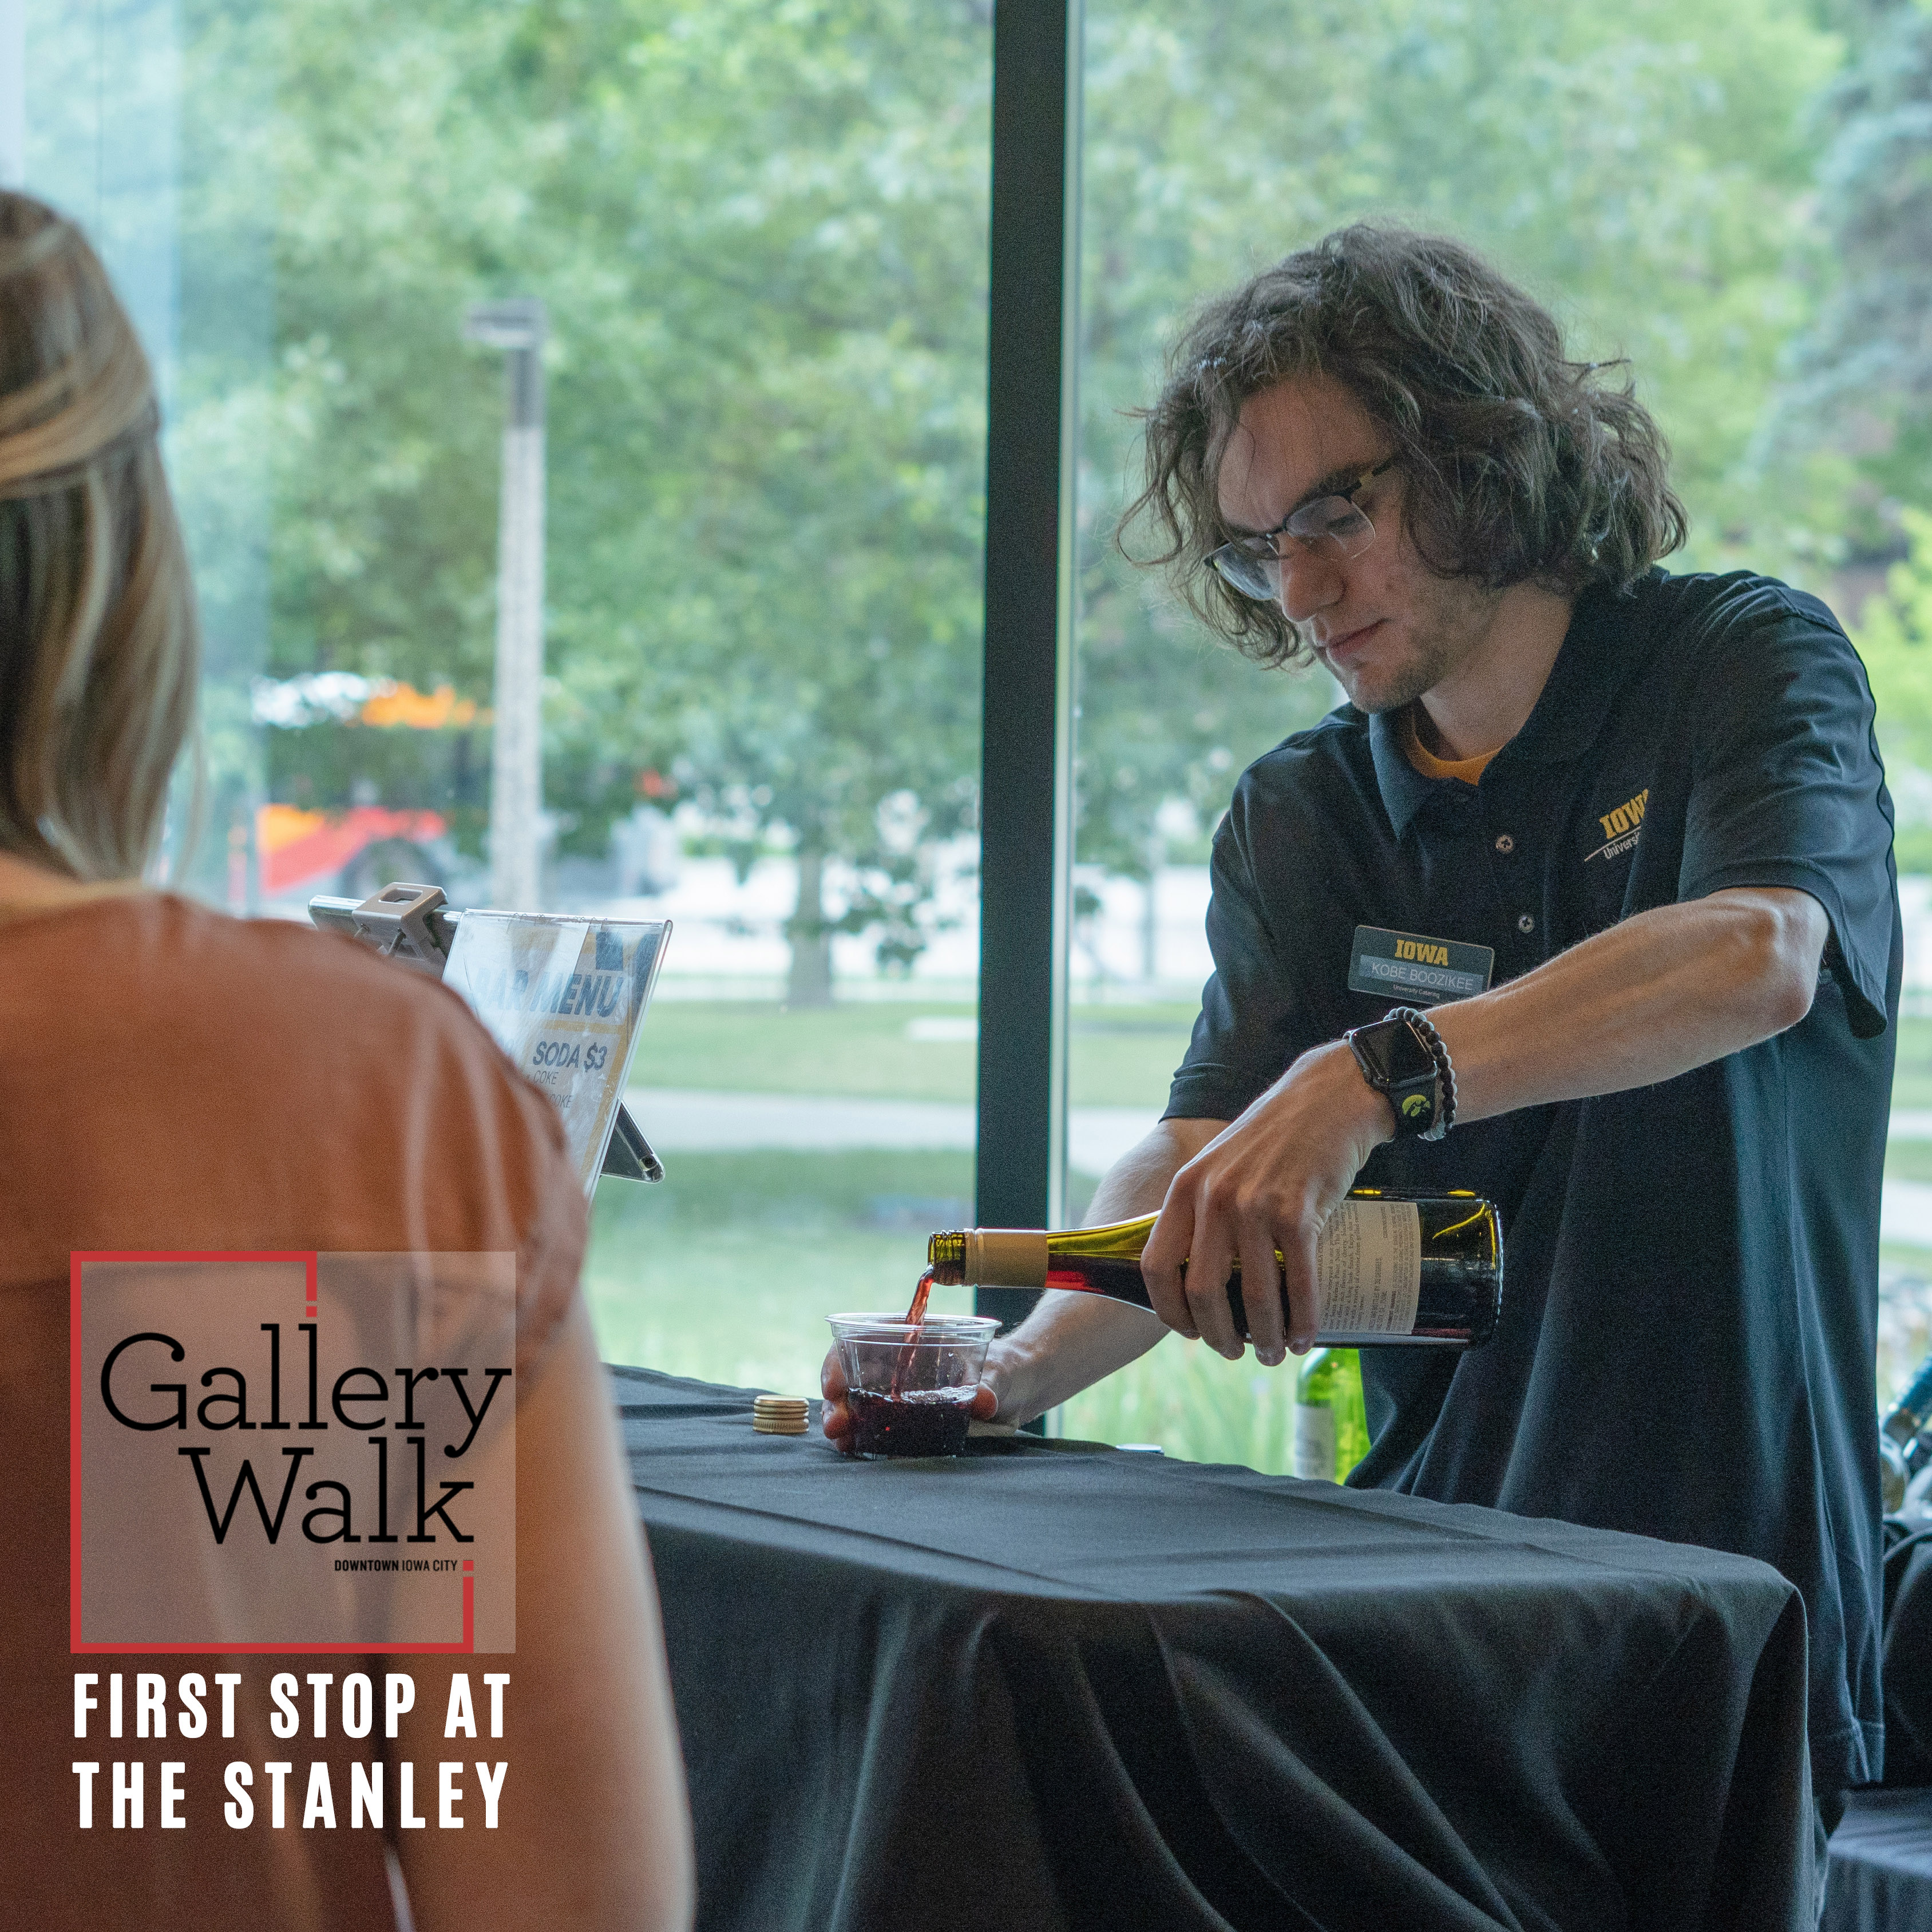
1646 170
760 231
761 235
1862 376
1893 636
781 496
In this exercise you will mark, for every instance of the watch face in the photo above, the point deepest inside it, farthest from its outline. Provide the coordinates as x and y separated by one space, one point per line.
1395 1056
1409 1056
1398 1051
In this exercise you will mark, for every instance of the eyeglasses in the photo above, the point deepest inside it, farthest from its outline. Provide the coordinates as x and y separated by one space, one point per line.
1334 527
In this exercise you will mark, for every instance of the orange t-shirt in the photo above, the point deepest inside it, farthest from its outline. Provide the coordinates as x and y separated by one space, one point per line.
173 1079
1426 761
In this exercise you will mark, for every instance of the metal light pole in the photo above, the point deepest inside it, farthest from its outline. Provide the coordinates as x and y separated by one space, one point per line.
517 326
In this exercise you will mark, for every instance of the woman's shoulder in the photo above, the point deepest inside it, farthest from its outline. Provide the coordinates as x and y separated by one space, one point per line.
165 932
317 1008
271 1085
181 970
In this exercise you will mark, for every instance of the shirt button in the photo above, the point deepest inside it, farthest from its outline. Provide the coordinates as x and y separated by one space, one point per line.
1526 924
1504 843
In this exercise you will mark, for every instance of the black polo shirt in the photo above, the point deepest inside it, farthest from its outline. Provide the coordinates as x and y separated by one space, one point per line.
1686 1343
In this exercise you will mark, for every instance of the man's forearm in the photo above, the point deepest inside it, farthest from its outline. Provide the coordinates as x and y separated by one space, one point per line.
1071 1341
1651 997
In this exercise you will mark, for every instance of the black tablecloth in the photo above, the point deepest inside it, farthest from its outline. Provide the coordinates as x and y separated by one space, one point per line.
1879 1878
1908 1658
1052 1685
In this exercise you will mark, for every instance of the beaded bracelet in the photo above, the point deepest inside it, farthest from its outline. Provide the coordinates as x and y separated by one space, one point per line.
1445 1069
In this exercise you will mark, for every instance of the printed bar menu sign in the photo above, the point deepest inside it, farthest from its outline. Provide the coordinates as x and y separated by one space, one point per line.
564 998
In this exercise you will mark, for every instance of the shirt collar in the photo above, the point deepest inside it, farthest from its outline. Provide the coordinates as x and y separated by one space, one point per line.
1403 788
1600 653
1598 656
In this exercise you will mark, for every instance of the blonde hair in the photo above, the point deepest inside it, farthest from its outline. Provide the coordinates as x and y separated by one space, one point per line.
100 646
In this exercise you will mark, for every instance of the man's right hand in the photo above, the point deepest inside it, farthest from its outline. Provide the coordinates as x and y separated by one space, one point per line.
837 1418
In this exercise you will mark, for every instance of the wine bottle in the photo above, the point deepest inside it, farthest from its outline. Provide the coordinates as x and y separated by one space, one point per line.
1903 1448
1331 1424
1392 1268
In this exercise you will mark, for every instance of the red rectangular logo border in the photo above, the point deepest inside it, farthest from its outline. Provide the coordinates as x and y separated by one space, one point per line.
77 1645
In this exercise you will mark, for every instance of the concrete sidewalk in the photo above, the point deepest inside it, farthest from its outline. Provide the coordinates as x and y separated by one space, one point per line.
678 1119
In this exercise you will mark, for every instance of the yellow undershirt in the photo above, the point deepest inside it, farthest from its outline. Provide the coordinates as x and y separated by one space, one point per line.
1426 761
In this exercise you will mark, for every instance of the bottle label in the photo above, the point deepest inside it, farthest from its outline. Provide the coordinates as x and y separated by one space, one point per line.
1369 1264
1314 1442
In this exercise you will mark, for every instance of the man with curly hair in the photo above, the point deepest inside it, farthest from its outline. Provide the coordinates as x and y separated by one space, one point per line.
1637 824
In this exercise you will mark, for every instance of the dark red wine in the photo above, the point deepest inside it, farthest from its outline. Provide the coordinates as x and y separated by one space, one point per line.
923 1422
916 1322
921 1295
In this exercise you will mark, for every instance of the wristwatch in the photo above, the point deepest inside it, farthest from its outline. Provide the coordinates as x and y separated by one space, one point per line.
1402 1057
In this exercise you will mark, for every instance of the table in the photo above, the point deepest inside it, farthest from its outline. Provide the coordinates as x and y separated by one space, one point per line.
1879 1878
1052 1685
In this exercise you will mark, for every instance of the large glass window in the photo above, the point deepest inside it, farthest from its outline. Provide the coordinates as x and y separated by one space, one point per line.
758 239
1701 187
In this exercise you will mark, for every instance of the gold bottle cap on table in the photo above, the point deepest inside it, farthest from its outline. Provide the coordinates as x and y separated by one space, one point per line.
780 1414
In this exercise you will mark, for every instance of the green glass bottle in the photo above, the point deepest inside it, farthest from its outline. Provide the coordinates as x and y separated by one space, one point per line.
1399 1269
1904 1441
1331 1428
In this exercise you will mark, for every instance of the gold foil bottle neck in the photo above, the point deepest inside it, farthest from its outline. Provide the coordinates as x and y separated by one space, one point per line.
946 1256
990 1257
1007 1257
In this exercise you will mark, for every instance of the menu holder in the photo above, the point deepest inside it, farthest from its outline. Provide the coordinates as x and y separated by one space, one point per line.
571 1023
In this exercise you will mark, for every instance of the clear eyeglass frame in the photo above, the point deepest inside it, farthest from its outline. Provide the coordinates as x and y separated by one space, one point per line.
1335 527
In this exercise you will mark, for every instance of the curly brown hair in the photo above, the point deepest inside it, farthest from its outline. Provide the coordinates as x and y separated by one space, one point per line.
1522 465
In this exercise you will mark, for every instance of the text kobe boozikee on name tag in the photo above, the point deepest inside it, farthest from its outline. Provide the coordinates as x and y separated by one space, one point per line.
1413 967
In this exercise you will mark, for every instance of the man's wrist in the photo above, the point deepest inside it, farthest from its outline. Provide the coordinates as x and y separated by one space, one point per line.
1403 1058
1367 1108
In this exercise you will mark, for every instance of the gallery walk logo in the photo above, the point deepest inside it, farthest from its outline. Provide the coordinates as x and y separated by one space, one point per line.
1621 827
293 1452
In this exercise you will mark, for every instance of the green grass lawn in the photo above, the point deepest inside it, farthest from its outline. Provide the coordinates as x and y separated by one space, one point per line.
1119 1056
727 1269
1183 1396
1912 1077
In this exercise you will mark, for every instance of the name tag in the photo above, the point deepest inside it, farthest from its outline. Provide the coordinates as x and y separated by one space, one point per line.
1411 967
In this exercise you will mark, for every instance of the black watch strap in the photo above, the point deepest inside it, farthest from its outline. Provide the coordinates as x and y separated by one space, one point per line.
1402 1057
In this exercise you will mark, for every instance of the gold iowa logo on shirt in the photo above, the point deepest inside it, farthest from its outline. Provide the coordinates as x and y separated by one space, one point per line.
1621 827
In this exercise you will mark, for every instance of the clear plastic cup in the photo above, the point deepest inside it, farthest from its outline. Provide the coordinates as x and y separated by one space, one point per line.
910 1391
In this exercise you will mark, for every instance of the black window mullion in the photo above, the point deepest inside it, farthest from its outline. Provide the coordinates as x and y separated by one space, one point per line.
1026 817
